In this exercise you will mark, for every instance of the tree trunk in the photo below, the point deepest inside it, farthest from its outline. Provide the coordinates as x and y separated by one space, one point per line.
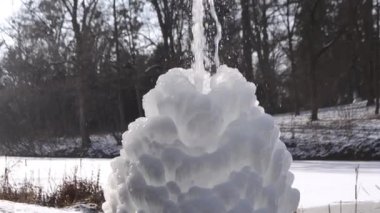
313 60
84 43
377 67
166 28
118 68
370 51
166 52
81 67
314 90
377 89
294 84
123 123
377 95
371 83
353 86
353 35
268 70
139 101
83 117
292 61
247 45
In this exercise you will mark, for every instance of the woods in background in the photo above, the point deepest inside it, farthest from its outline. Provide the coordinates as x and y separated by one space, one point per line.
78 67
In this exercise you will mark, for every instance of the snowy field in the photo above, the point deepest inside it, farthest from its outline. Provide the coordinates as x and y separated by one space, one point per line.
320 182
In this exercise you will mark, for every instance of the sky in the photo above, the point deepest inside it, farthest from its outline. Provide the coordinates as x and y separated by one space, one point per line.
7 8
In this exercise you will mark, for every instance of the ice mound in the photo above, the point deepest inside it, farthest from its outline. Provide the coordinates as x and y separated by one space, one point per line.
202 149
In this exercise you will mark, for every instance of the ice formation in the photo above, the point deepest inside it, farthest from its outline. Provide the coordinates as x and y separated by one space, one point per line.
202 151
205 146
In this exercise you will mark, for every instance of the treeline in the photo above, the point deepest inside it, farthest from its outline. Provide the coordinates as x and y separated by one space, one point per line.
76 67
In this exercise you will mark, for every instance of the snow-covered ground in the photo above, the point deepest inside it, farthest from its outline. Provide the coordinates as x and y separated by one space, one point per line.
320 182
10 207
348 132
363 207
13 207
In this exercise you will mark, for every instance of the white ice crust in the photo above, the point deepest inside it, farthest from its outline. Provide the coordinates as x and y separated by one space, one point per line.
208 150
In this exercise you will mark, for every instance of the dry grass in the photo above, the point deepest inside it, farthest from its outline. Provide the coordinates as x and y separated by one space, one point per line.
71 191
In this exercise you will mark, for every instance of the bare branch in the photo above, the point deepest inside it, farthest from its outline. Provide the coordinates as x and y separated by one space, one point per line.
331 43
93 10
147 38
68 6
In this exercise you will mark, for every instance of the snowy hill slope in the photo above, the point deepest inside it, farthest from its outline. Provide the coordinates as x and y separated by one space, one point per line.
102 146
348 132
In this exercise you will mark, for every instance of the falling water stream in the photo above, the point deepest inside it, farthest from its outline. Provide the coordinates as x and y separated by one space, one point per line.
199 42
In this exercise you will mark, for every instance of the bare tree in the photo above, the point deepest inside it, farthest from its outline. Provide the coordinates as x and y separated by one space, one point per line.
291 54
313 13
354 35
165 15
262 17
247 42
171 15
290 19
129 31
82 20
116 38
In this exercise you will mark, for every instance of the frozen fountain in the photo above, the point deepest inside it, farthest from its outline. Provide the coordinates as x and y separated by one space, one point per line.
205 146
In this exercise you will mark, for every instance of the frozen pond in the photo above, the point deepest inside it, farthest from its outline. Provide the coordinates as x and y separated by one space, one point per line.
329 182
320 182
